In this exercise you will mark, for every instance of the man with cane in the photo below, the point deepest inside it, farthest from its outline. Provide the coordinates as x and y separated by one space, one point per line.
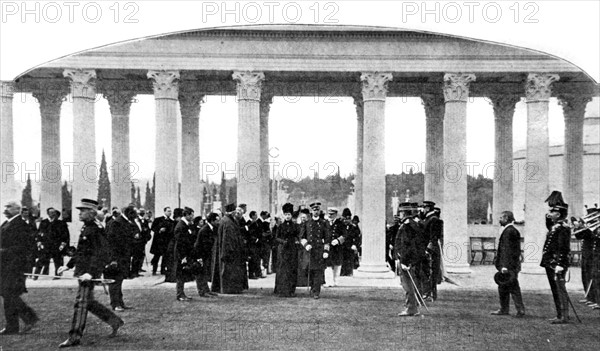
410 255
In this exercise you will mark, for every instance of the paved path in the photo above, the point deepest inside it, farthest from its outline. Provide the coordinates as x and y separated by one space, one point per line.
481 278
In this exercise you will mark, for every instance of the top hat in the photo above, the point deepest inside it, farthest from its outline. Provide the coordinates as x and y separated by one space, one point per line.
230 207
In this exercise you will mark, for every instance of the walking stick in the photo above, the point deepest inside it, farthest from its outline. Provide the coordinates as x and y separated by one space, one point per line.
417 293
103 281
308 281
589 288
556 277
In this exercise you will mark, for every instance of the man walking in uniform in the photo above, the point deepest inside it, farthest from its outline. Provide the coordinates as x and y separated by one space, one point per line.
88 265
508 262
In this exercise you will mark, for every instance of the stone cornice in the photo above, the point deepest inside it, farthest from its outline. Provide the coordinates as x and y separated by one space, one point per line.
573 105
456 86
539 87
375 85
249 85
83 82
165 84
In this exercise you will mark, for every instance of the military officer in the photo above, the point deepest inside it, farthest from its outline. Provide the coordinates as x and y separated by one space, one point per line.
555 258
336 250
88 265
316 239
434 233
408 250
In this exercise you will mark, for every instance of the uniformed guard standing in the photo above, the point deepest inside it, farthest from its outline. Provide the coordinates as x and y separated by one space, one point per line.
555 255
316 238
587 242
88 265
434 232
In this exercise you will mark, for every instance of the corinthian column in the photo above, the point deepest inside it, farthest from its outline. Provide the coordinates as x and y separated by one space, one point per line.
50 98
189 103
456 94
434 152
374 91
574 111
265 107
504 109
537 93
249 190
358 181
119 101
85 178
166 93
7 183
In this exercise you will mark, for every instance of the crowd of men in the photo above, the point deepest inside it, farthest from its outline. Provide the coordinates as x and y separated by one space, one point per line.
229 249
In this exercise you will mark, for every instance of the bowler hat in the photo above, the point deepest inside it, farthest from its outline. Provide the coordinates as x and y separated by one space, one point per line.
503 279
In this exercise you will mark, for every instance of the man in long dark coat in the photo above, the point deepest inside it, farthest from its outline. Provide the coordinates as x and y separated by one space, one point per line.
587 253
316 239
508 261
336 251
119 235
183 246
13 256
233 256
54 234
350 247
203 249
162 227
288 240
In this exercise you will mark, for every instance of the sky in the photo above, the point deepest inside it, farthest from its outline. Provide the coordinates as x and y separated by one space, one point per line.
28 41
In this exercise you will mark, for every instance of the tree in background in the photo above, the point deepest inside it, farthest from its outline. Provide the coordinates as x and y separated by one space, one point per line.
103 184
133 193
479 195
67 201
148 203
138 198
26 199
223 189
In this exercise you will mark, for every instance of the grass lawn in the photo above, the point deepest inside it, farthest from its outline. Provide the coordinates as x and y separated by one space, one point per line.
343 319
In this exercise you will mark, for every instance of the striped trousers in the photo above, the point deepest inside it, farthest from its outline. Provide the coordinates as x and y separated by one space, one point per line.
85 302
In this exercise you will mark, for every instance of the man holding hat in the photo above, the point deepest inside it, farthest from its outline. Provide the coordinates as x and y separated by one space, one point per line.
88 265
555 255
316 238
508 264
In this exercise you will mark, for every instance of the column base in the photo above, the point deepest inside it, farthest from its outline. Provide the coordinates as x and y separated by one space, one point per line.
458 268
374 271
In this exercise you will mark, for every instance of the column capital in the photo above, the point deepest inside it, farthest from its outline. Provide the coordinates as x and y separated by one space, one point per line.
456 86
249 84
265 103
7 89
190 101
504 105
434 105
119 101
573 105
375 85
50 100
165 84
539 86
83 82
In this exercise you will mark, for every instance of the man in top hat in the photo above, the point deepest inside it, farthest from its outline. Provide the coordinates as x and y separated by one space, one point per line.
434 234
508 263
350 249
316 238
13 256
411 256
336 250
555 257
88 265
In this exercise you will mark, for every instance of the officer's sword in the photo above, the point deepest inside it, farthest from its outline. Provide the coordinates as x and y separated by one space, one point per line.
417 290
557 277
